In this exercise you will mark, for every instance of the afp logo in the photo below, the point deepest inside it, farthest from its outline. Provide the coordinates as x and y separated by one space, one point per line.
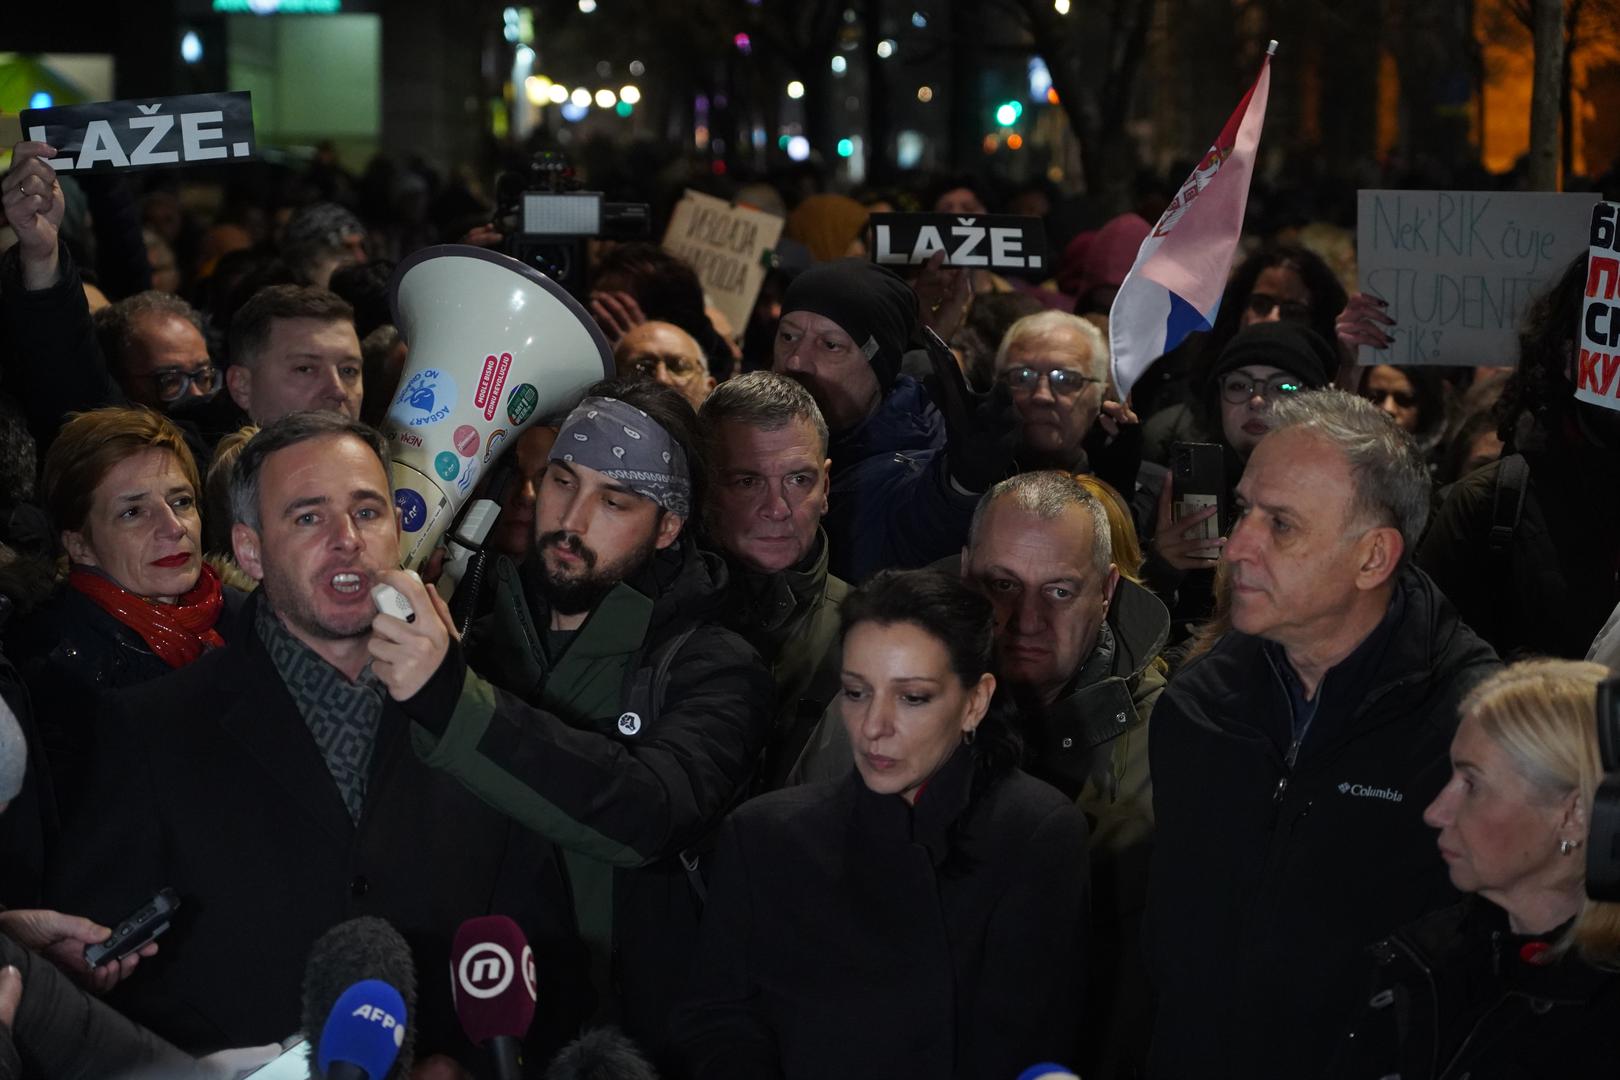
486 970
378 1015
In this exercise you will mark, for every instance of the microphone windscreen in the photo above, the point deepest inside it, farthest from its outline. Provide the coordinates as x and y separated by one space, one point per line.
1047 1071
601 1054
363 948
366 1028
492 977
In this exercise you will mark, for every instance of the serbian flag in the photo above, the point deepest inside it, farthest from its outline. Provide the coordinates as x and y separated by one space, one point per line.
1175 285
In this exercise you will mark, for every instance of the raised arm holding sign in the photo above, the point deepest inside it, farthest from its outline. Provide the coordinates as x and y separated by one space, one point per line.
34 206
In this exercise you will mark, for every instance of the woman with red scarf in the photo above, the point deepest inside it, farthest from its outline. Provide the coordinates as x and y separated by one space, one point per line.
122 490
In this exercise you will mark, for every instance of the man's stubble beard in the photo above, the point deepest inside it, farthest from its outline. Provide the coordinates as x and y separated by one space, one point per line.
579 593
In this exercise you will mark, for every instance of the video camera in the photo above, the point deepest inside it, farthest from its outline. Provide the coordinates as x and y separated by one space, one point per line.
1603 849
546 218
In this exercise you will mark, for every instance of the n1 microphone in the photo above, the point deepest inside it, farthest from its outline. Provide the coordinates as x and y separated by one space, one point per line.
364 1033
492 978
1047 1071
350 952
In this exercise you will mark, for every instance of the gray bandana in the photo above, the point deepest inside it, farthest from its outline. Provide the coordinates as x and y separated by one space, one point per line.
625 444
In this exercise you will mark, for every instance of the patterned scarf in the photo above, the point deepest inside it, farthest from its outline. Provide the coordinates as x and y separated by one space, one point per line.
342 716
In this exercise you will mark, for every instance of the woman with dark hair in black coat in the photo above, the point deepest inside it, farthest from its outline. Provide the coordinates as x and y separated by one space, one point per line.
924 916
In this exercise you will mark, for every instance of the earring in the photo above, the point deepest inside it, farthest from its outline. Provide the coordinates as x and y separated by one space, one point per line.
968 736
1567 846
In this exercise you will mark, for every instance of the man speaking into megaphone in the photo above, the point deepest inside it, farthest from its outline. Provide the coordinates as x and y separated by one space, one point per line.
597 704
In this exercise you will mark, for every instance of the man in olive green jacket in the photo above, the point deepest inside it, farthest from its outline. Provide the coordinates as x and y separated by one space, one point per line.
1079 648
768 445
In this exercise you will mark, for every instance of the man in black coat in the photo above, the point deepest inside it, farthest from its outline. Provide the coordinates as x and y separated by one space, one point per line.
1292 762
273 786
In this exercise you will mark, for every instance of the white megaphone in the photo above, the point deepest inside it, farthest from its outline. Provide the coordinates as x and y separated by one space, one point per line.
494 346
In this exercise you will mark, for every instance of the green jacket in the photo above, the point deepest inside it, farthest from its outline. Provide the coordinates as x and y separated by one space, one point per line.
575 748
1092 744
791 617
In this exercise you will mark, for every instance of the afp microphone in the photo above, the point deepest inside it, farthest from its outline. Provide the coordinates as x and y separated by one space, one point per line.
364 1033
492 977
349 953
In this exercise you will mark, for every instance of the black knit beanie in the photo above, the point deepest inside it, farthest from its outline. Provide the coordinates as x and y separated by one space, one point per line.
1293 347
872 304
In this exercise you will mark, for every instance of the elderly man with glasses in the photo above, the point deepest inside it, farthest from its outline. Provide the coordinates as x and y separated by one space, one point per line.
1056 367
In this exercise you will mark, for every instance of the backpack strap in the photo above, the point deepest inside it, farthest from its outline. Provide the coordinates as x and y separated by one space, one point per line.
644 689
643 698
1507 507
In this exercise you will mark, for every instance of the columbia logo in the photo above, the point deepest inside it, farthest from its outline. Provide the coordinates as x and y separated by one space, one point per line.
1362 791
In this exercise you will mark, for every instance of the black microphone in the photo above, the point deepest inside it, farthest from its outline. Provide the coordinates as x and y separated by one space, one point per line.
352 952
604 1053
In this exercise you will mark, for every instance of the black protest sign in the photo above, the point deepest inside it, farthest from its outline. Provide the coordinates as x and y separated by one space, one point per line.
973 241
116 136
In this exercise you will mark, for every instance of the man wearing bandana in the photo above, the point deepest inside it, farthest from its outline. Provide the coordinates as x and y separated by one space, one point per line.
598 703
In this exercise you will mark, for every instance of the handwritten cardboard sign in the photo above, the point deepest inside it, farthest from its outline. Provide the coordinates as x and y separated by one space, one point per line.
728 246
165 132
977 241
1459 268
1597 378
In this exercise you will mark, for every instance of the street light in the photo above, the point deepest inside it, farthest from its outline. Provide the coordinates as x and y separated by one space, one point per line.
795 89
629 95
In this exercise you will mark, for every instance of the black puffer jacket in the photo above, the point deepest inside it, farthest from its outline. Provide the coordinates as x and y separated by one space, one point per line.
63 1033
586 750
1275 865
1457 994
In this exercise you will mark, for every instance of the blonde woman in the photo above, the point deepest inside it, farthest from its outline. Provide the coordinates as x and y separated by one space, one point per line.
1522 979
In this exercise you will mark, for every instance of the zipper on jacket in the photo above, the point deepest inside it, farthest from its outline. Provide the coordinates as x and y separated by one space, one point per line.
1288 769
1434 1001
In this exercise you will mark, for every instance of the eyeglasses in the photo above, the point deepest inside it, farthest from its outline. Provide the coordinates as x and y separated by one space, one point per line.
1063 381
1237 388
1261 305
174 383
1403 400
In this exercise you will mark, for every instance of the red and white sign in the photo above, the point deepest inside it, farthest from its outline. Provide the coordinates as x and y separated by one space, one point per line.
1597 377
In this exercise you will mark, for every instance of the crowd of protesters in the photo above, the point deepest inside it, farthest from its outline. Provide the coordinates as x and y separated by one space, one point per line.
859 716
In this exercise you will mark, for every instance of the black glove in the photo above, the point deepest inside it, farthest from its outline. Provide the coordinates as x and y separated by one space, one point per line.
980 452
981 430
